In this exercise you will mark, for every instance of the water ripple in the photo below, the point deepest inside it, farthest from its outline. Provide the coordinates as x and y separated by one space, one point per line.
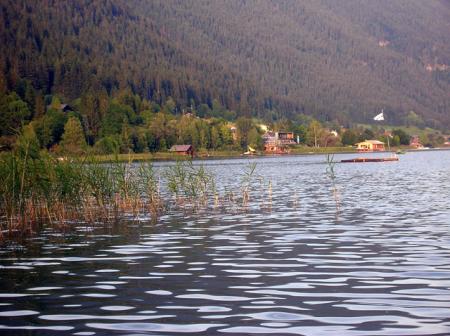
378 266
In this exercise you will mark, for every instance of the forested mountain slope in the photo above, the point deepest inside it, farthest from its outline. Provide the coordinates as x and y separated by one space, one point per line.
337 60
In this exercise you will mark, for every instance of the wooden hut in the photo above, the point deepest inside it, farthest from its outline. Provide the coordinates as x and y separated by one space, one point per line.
182 150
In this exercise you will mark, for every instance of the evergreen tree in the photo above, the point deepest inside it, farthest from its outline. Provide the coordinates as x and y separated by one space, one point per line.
402 136
56 103
39 106
349 138
73 140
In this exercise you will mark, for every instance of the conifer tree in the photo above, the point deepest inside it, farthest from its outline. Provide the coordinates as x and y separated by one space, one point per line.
73 140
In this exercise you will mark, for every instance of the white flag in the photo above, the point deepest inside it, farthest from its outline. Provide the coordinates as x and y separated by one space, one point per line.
379 117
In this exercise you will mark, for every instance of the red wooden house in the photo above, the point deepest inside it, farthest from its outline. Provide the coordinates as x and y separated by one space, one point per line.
182 150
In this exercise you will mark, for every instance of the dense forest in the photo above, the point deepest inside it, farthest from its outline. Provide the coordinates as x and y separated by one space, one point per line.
121 65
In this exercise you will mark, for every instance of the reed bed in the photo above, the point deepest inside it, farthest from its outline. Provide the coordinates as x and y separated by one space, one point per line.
38 190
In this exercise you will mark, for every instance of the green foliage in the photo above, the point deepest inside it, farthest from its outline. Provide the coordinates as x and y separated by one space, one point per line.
349 138
107 145
395 141
367 134
195 184
432 139
13 113
403 137
301 131
314 133
56 103
50 128
248 133
73 141
116 116
331 67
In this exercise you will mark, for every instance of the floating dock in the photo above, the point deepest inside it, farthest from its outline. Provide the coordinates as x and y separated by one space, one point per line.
362 159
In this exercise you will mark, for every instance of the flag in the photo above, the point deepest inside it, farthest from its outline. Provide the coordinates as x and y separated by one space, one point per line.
379 117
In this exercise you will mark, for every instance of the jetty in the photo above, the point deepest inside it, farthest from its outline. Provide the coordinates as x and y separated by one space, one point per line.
363 159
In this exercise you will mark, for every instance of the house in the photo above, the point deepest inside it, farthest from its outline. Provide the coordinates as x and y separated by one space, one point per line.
415 142
182 150
277 142
274 148
62 107
370 146
447 141
287 138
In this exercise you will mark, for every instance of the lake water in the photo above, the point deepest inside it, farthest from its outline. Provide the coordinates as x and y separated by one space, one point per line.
371 258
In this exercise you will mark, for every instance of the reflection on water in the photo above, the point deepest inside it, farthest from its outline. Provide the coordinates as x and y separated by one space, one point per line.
382 267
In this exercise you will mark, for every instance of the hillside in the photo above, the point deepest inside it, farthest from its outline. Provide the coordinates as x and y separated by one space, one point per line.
336 60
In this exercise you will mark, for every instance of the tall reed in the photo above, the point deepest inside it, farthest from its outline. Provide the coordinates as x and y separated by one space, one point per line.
39 189
191 186
332 175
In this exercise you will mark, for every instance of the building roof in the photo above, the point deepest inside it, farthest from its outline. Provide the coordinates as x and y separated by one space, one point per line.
374 142
62 107
180 148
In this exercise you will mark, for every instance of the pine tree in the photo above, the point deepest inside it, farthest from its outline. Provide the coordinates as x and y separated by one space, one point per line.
73 140
39 106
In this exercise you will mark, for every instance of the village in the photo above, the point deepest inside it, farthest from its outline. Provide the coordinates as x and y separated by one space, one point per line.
288 142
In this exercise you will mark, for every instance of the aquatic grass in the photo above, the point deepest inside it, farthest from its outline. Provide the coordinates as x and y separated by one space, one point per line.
191 186
150 186
39 190
246 182
251 181
332 175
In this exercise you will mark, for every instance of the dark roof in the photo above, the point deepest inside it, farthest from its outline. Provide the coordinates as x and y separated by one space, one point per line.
62 107
180 148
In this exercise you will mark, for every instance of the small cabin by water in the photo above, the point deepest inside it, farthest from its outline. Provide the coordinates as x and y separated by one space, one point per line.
370 146
182 149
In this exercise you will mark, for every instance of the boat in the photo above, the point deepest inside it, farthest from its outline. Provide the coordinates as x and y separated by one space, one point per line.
251 151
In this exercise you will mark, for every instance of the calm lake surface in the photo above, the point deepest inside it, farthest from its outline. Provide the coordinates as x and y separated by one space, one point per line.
376 263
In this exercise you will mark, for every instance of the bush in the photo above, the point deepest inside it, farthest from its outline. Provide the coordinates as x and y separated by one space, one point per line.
107 145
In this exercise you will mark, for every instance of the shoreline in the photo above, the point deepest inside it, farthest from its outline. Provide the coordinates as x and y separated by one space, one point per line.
166 156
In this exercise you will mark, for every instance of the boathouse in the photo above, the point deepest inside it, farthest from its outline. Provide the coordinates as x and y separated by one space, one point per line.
370 146
182 149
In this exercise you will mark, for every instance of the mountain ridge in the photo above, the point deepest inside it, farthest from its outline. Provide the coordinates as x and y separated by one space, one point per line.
340 62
